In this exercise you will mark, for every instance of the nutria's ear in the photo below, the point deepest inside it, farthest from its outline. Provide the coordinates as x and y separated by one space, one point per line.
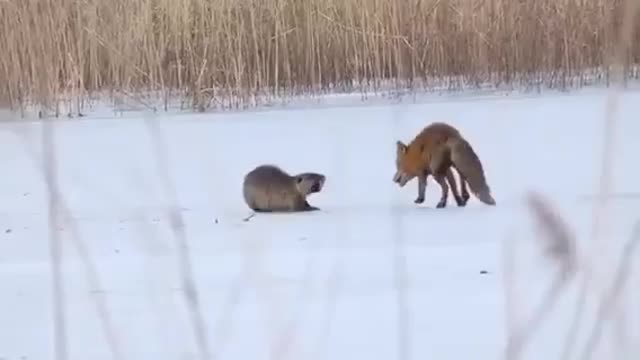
401 147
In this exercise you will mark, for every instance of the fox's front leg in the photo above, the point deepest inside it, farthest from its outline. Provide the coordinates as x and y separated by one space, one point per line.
422 188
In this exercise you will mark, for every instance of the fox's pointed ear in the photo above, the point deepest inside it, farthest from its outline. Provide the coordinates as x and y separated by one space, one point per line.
401 147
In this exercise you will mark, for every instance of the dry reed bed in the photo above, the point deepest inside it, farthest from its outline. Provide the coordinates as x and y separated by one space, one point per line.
211 51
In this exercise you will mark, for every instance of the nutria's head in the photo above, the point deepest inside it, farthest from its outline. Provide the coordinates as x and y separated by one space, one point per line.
408 163
309 183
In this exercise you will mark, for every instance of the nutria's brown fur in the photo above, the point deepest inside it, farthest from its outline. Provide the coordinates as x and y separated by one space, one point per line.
267 188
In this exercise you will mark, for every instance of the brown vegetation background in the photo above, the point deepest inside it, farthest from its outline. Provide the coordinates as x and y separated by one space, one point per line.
235 52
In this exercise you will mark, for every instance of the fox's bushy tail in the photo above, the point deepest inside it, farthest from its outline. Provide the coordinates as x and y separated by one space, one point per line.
466 161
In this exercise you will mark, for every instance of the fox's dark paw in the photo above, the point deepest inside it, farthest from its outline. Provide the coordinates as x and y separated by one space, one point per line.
441 205
419 200
461 201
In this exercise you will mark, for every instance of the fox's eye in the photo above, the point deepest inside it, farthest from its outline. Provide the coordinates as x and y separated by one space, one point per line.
299 180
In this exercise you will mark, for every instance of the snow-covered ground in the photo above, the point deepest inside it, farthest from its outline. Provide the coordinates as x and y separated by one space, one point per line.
372 276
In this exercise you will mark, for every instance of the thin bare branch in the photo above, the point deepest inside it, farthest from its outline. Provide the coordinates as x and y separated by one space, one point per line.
55 243
178 228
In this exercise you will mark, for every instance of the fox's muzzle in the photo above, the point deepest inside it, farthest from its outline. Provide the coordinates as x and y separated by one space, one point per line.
401 178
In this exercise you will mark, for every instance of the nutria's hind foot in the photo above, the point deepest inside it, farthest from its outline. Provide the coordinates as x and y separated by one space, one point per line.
308 207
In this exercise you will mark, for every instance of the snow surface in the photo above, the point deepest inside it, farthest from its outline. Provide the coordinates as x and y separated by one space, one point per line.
372 276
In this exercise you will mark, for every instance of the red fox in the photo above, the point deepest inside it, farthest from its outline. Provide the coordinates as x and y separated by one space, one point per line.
434 151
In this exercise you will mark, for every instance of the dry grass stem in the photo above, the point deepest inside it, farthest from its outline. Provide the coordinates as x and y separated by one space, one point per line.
178 228
333 286
55 244
623 43
400 280
609 302
62 212
518 337
509 280
400 275
559 241
559 245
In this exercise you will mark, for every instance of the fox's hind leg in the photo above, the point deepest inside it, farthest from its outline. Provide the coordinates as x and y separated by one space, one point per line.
463 187
454 187
442 180
440 166
465 192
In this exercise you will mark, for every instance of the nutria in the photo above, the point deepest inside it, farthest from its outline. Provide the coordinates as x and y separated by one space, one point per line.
268 188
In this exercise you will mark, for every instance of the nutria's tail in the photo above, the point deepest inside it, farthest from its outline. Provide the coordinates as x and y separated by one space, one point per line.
468 164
